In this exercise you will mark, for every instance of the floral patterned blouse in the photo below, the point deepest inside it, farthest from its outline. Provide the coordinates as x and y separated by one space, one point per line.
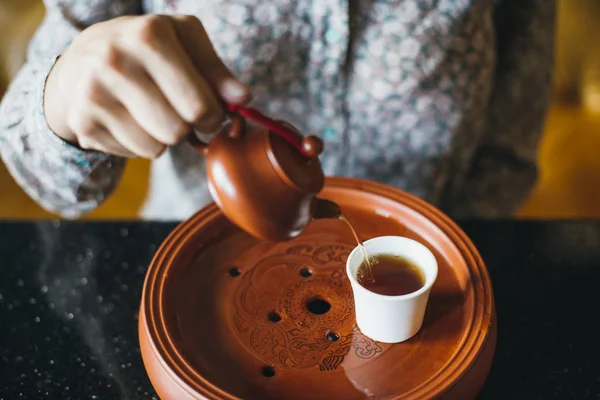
445 99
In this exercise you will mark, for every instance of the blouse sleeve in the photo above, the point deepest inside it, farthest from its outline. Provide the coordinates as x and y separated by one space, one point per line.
504 169
62 178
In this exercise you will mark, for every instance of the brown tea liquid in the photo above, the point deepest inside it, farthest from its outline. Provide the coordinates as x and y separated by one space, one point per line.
391 275
362 248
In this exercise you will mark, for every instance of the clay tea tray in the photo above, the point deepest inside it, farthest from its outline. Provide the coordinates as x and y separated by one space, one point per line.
225 316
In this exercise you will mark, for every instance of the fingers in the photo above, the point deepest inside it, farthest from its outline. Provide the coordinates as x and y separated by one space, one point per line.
197 44
167 63
131 86
100 140
90 135
100 122
128 133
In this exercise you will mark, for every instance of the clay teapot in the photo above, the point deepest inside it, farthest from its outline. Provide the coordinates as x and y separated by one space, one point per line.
264 175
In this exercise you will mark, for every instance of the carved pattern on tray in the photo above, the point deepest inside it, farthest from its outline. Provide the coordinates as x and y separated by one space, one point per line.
299 339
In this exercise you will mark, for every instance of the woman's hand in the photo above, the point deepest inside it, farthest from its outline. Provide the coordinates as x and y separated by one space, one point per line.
134 85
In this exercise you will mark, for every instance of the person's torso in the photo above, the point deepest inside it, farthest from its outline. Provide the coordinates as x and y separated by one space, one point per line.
396 89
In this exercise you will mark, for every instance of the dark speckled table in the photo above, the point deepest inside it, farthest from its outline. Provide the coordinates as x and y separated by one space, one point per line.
69 296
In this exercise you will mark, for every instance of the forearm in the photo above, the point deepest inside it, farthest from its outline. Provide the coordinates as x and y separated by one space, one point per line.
61 177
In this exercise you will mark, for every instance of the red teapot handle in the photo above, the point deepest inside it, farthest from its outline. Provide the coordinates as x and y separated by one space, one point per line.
309 146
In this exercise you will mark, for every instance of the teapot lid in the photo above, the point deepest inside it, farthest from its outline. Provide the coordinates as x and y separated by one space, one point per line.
300 169
295 157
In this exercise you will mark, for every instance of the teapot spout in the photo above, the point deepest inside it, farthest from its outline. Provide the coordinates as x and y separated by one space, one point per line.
322 208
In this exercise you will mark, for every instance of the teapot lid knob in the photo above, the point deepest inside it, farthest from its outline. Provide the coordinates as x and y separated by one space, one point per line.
312 146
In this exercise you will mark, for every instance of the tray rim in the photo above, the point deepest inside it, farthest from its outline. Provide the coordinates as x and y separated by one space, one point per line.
476 333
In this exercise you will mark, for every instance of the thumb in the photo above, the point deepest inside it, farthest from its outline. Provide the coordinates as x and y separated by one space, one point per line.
198 46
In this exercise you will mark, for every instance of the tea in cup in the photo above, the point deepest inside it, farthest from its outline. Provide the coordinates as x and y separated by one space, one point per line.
391 289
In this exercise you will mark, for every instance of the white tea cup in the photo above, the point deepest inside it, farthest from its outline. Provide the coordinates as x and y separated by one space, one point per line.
391 319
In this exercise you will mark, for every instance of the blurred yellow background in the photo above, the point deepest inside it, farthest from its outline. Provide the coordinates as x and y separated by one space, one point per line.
569 156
